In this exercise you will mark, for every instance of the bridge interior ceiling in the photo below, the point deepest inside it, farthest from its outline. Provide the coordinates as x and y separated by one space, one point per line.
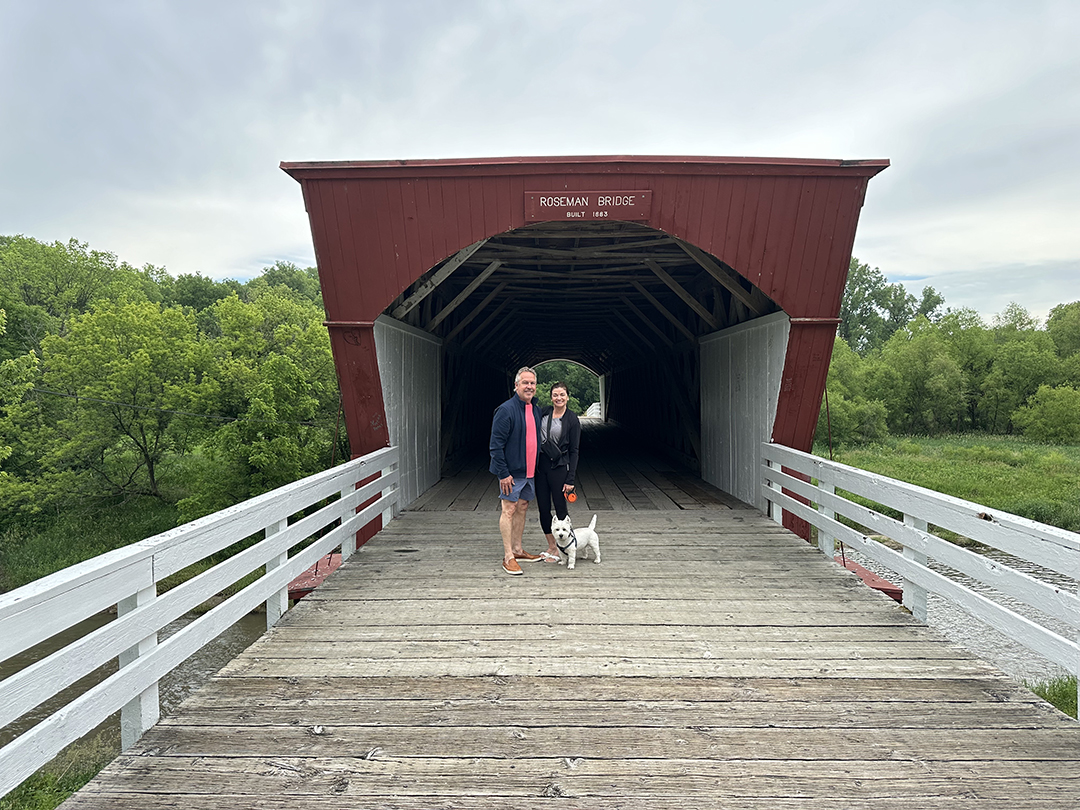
603 294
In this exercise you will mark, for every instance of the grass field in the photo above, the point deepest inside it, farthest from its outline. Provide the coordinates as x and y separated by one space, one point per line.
31 548
1036 481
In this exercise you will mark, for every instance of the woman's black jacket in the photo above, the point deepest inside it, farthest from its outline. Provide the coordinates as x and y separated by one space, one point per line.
568 442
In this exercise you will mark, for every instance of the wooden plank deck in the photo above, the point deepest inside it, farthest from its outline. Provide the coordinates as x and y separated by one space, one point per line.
712 660
612 476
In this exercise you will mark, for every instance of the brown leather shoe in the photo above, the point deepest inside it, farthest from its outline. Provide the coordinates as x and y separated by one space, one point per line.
525 556
511 567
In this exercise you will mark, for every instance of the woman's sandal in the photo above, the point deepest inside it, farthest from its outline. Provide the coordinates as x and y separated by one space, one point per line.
549 558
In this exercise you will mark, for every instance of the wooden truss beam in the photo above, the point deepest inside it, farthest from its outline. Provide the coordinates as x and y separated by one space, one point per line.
729 281
441 275
663 310
476 311
687 298
461 296
645 319
480 327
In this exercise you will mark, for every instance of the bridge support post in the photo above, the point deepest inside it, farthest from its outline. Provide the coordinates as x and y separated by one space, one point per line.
826 542
772 508
143 711
278 603
348 545
914 595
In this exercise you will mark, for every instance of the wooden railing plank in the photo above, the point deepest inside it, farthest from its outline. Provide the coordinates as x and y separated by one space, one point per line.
128 576
1050 547
31 621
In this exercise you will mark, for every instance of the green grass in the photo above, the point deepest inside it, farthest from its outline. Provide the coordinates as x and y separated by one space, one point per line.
1059 692
1036 481
70 770
34 547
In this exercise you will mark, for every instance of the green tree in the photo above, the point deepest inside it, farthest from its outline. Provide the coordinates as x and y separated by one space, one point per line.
1051 415
846 422
197 291
1020 367
304 282
847 416
272 386
872 309
16 378
922 386
583 384
43 285
970 344
1063 326
1024 358
113 386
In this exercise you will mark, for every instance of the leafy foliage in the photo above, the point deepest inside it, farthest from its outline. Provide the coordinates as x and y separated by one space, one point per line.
1051 415
1063 326
129 383
950 373
583 385
872 309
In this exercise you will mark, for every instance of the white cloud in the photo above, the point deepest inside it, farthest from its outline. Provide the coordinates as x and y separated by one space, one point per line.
146 131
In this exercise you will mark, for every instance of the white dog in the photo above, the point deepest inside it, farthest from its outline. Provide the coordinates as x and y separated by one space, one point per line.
569 539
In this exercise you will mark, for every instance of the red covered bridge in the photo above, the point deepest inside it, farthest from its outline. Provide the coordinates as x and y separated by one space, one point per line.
714 659
704 291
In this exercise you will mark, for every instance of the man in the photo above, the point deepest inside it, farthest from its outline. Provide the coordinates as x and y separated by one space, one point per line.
515 448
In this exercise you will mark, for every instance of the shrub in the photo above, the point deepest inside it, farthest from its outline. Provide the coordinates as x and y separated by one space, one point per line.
854 422
1052 415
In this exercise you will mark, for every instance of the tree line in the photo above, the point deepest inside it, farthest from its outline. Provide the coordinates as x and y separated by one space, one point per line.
118 381
903 365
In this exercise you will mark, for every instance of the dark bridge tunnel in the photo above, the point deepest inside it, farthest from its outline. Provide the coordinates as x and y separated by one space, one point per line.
622 299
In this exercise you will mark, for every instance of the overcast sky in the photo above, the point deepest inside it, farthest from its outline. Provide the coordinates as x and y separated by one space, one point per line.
154 130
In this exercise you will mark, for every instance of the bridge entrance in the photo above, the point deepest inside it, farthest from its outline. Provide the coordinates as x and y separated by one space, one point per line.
705 292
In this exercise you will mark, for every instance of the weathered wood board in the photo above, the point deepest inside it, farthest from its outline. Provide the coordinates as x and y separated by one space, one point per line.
711 660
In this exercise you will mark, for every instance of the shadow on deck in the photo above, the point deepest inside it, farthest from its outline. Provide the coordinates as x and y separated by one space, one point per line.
712 660
612 475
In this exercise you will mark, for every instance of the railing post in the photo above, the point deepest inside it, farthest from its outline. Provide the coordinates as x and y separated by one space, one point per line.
914 595
348 544
825 541
140 713
278 603
775 511
391 511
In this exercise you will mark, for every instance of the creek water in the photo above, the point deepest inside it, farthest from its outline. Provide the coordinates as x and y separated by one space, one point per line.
173 688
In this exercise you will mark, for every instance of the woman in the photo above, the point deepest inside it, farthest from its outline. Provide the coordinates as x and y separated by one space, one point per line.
560 435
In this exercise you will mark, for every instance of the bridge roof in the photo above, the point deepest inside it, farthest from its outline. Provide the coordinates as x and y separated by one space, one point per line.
719 240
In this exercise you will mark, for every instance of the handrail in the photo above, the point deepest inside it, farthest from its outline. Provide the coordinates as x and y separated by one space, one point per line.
127 579
806 486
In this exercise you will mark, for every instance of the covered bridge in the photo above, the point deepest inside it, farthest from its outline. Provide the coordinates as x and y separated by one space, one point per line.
705 292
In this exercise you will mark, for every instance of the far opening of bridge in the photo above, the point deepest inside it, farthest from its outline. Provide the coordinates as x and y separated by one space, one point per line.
704 291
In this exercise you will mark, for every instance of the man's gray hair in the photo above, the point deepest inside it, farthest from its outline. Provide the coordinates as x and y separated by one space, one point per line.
522 370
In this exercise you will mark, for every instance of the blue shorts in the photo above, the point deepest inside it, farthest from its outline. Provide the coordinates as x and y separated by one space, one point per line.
523 490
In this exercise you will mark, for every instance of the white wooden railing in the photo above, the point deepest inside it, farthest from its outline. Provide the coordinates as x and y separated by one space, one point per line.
126 579
924 511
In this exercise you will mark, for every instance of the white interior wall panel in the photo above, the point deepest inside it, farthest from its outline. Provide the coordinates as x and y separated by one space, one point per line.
741 369
410 368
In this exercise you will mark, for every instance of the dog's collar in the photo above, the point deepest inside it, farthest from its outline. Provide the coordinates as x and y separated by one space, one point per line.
570 545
